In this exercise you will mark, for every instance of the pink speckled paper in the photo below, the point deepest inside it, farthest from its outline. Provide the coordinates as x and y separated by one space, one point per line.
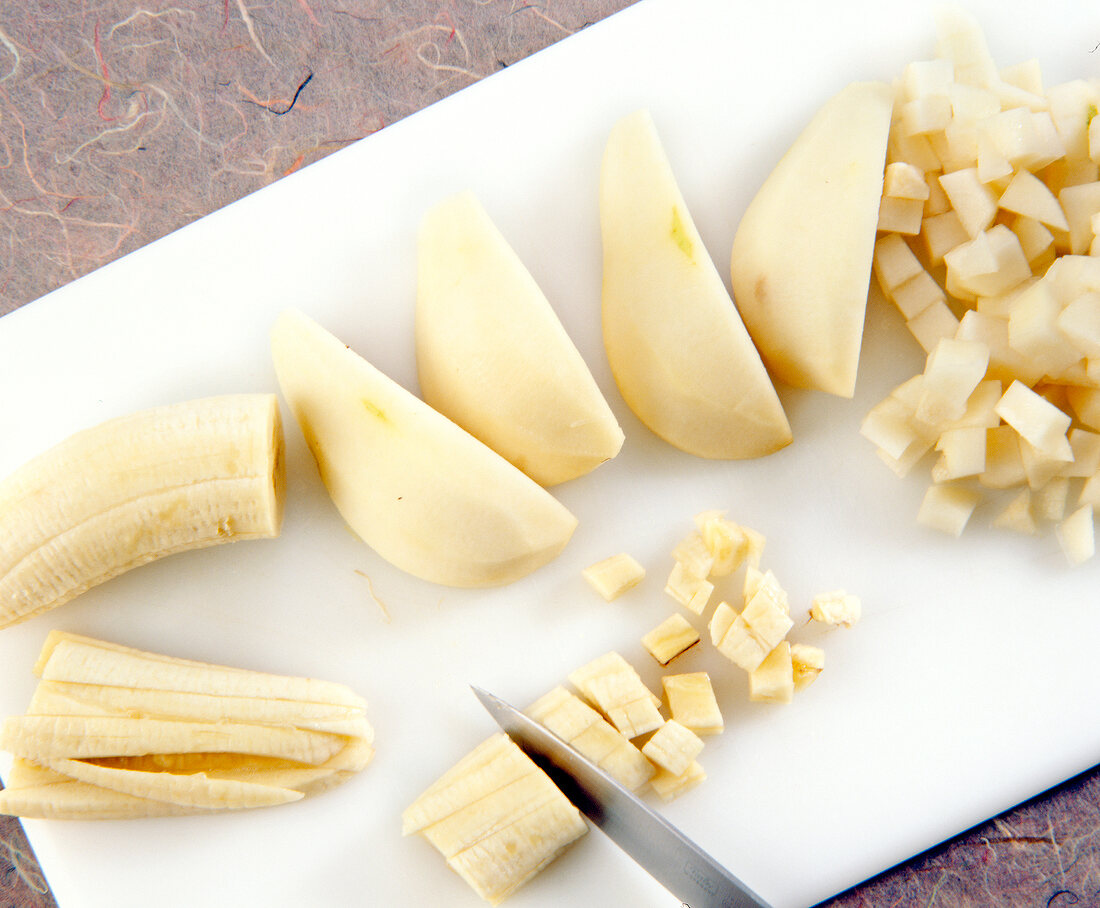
120 122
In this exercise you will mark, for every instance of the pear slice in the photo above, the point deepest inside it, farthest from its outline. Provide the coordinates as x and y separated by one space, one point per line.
679 352
424 494
801 259
492 355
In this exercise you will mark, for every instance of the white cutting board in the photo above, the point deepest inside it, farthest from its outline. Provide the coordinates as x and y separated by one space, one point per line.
969 686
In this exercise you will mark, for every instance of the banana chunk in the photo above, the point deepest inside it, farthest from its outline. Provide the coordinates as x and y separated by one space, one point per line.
612 685
673 748
614 576
134 489
692 703
496 817
671 638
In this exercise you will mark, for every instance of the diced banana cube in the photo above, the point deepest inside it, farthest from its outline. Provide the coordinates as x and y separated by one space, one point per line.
612 685
573 720
671 638
690 590
673 748
694 554
614 576
728 543
836 607
807 662
669 787
692 703
773 680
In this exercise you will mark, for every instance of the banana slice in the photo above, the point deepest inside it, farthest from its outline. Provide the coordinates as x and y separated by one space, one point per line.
134 489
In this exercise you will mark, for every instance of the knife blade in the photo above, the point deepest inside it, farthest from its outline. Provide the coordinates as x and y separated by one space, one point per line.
657 846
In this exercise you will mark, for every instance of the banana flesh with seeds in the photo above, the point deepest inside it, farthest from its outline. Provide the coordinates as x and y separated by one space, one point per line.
134 489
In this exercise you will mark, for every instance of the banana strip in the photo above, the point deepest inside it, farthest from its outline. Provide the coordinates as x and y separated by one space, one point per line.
37 737
66 698
96 749
70 657
191 790
134 489
69 800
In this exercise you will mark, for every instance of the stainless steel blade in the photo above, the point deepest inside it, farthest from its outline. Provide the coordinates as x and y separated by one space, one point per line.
664 852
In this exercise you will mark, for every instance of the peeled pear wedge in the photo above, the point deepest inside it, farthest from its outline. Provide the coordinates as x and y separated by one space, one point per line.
422 492
492 355
801 258
678 349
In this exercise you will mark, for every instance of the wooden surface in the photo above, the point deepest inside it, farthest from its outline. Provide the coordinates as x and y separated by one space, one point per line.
120 123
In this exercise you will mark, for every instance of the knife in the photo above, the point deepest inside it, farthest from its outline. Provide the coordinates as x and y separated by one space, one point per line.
664 852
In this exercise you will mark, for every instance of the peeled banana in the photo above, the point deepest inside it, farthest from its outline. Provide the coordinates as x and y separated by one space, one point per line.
113 732
134 489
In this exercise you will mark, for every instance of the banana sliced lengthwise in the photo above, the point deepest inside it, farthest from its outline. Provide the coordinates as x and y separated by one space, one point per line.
113 732
134 489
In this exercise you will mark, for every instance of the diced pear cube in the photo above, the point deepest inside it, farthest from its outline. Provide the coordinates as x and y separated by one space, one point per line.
1036 420
894 262
932 325
1028 139
905 181
1029 196
1080 322
1018 516
1049 500
917 294
888 426
1090 491
1035 239
993 167
671 638
947 507
1027 75
1076 535
915 150
614 576
952 371
927 77
673 748
1080 203
900 215
973 201
1033 329
1039 468
937 201
694 554
1094 139
990 264
1086 453
773 680
692 703
807 662
959 38
669 787
1004 465
962 453
1086 405
941 233
691 591
836 607
925 114
903 465
1069 106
